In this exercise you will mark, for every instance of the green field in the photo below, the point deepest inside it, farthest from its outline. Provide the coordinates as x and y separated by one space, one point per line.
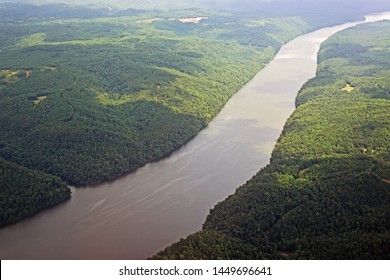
326 192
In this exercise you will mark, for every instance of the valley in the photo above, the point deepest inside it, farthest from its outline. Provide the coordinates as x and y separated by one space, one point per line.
152 117
324 194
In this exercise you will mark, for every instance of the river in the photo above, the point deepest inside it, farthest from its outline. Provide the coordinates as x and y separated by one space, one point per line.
135 216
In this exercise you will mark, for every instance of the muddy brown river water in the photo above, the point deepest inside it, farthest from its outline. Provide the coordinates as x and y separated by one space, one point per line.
135 216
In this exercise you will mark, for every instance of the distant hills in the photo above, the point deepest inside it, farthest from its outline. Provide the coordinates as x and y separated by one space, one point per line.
283 7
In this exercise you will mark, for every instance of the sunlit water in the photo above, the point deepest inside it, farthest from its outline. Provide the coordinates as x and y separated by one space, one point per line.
137 215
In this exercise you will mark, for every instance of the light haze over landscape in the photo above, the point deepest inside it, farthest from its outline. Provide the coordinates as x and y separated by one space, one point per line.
194 129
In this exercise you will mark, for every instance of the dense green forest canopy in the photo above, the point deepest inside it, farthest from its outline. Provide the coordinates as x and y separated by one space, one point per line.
90 99
326 192
24 191
90 94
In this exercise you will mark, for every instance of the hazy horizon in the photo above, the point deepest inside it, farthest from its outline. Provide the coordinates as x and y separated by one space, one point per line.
224 4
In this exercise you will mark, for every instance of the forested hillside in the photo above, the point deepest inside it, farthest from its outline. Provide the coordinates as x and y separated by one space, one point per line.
90 99
88 95
24 192
326 192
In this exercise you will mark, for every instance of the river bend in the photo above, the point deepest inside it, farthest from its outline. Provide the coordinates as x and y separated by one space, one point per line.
135 216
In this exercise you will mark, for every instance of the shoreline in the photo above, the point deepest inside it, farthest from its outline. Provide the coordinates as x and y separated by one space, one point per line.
138 169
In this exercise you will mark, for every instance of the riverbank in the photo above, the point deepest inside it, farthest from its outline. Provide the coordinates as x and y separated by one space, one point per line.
324 195
92 125
172 197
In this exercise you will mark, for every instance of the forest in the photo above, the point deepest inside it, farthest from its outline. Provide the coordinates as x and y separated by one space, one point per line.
89 95
23 192
326 192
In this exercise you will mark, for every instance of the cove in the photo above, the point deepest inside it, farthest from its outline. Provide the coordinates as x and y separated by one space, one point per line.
137 215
